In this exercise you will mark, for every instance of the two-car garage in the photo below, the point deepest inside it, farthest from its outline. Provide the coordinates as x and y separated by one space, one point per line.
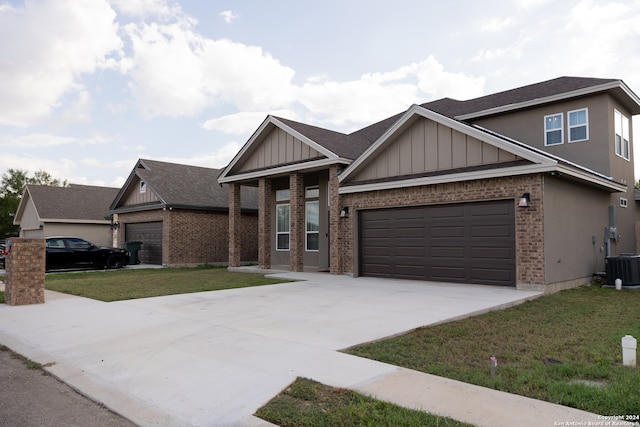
461 242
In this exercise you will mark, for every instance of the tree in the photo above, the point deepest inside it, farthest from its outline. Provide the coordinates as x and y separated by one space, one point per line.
11 188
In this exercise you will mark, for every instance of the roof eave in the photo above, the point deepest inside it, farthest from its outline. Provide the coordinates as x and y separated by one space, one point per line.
554 98
283 170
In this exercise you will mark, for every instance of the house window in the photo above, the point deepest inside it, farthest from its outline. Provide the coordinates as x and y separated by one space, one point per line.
578 125
282 227
283 224
623 202
553 129
622 134
282 195
143 187
313 224
312 215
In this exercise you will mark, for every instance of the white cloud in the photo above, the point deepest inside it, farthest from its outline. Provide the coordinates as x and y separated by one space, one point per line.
198 72
215 159
497 24
376 96
615 44
143 8
228 16
46 47
243 122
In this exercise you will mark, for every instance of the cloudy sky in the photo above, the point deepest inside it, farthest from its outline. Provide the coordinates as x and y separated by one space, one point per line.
87 87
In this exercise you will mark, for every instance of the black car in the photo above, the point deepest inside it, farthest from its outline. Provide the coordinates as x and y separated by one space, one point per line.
76 253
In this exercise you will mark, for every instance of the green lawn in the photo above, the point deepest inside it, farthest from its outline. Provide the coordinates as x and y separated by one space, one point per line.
563 348
308 403
116 285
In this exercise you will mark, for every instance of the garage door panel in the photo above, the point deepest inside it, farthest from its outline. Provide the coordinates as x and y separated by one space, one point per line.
448 273
488 253
497 230
450 231
446 212
150 234
466 242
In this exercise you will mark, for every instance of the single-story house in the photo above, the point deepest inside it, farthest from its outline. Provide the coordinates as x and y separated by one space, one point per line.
530 188
76 210
180 214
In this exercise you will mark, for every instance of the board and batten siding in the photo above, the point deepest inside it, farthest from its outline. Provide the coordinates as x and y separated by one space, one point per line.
428 146
277 148
135 197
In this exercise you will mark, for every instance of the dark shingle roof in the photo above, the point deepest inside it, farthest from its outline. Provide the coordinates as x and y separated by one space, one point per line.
190 186
75 202
452 108
353 145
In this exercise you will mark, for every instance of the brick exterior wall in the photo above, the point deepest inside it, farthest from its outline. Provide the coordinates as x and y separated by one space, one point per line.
528 227
235 217
25 266
296 186
194 237
264 223
336 240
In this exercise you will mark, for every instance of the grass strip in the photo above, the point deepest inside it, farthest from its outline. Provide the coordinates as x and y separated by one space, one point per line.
308 403
563 348
124 284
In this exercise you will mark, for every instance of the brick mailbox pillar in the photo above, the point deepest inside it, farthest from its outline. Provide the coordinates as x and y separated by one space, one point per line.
24 281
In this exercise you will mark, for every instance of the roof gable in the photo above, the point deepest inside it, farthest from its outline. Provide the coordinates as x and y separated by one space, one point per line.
279 143
81 203
179 186
425 141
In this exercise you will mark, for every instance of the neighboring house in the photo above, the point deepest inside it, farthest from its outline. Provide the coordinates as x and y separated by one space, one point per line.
531 187
180 214
76 210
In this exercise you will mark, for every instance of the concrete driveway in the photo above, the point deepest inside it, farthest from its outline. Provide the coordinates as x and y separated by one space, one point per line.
213 358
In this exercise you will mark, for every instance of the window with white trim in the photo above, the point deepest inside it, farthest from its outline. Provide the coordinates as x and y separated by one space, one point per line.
553 130
624 202
578 125
621 123
312 218
283 223
143 187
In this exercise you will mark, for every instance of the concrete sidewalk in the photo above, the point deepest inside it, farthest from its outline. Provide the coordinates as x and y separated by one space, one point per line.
213 358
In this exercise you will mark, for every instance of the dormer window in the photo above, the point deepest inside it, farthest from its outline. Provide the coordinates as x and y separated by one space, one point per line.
143 187
553 131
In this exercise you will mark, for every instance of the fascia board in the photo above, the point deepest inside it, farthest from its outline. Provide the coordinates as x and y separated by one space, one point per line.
453 124
355 166
584 175
283 170
24 200
126 185
442 179
487 174
554 98
75 221
266 122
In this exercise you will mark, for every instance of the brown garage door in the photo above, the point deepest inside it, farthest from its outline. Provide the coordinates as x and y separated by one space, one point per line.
464 243
150 234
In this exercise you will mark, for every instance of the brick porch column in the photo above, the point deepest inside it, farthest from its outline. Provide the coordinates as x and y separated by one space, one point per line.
25 272
264 223
335 254
296 244
235 225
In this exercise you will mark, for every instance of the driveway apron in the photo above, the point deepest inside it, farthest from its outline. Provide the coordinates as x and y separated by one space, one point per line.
213 358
